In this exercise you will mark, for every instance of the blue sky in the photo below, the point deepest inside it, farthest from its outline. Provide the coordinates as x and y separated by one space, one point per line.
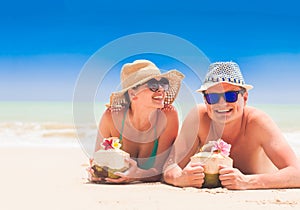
45 44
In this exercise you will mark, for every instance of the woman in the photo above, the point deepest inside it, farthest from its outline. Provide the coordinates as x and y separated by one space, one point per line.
142 117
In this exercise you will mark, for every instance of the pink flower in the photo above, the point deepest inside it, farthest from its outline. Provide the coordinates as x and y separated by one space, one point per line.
111 143
107 144
221 147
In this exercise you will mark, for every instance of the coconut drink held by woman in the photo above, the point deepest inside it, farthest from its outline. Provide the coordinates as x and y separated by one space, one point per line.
142 117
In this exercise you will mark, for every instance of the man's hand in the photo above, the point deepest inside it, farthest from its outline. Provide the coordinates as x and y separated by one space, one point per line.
232 178
191 176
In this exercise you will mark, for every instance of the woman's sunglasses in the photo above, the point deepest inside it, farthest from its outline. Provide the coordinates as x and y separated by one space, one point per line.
229 97
154 84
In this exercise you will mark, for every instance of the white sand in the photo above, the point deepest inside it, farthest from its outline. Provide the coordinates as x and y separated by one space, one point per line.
55 178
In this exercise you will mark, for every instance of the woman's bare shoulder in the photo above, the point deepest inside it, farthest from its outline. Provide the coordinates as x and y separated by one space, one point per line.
169 110
170 114
109 114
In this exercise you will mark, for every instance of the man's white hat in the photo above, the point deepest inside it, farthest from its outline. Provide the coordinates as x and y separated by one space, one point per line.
224 72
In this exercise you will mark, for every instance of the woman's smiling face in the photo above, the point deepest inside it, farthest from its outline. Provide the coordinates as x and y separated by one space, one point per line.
146 97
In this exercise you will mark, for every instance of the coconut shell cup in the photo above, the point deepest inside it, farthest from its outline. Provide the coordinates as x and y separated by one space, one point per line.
211 163
107 162
106 172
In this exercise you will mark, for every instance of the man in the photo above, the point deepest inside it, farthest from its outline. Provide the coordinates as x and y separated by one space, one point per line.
261 156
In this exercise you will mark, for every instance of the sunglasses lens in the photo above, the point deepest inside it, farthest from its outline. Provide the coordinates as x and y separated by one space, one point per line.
164 83
231 96
212 98
153 84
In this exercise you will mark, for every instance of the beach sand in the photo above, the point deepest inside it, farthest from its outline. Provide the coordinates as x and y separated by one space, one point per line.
55 178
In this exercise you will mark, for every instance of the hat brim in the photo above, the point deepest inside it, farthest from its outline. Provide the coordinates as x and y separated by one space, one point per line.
117 99
205 86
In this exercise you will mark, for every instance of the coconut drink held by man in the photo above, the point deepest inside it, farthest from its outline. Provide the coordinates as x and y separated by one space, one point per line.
211 156
262 158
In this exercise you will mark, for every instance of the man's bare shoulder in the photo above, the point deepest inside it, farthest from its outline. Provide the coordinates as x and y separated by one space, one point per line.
198 112
256 117
253 112
201 108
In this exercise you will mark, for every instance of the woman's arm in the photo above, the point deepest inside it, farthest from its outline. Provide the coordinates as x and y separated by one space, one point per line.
167 131
104 129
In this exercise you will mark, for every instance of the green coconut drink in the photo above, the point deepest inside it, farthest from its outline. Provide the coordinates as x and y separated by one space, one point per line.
110 160
212 155
106 172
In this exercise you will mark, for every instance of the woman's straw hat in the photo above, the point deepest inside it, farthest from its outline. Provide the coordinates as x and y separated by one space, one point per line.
224 72
139 72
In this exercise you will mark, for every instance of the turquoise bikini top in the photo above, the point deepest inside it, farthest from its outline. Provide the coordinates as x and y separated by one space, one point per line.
150 161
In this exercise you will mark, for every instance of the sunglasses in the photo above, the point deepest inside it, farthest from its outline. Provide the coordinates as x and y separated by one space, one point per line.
229 97
154 84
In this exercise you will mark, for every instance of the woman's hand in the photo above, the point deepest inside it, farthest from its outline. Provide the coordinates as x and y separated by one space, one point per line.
128 176
91 174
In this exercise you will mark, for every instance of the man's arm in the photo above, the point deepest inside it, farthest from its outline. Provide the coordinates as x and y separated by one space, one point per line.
191 176
280 153
269 137
177 170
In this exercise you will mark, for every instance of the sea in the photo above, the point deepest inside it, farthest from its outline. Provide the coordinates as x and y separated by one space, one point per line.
52 124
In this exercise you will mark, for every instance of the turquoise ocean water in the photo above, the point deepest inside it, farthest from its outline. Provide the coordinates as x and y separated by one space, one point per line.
51 123
48 124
